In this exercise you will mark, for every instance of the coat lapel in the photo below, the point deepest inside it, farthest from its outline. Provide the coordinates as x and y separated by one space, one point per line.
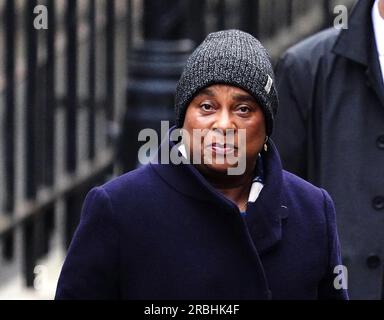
358 44
265 216
352 42
373 73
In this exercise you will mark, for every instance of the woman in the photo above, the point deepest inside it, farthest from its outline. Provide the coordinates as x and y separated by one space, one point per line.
199 230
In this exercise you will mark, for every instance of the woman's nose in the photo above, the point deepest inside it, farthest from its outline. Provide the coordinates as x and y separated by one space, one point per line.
224 121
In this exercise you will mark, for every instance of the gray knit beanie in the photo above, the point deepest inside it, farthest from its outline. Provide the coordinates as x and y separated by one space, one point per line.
229 57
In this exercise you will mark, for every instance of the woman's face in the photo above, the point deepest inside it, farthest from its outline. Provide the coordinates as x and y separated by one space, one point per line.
219 112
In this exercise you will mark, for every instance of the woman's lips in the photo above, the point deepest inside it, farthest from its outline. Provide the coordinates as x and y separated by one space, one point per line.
222 149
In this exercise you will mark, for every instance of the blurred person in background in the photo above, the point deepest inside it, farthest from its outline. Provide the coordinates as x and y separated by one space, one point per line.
330 131
191 230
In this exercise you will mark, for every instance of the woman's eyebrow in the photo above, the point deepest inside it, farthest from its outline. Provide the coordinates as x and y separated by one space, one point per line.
244 97
206 92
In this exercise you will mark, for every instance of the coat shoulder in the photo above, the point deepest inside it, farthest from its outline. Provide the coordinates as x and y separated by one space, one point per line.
132 185
313 47
305 63
302 190
136 175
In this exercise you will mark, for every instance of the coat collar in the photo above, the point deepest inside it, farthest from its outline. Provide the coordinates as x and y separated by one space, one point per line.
358 44
355 42
264 217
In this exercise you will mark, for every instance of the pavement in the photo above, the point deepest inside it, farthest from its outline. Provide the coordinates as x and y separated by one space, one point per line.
46 275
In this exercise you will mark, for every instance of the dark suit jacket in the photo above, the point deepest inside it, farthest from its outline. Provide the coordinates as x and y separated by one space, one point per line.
330 131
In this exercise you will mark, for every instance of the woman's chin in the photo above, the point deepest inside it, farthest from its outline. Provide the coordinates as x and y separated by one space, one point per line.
216 168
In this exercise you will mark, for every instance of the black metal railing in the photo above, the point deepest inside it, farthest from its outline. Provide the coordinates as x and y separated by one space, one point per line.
49 80
63 93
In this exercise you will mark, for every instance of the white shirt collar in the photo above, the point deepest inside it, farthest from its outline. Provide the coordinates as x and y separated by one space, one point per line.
378 27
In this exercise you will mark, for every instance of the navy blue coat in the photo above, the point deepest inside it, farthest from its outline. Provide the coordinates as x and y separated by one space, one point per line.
163 232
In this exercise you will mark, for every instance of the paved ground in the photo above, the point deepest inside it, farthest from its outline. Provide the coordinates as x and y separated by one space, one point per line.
47 272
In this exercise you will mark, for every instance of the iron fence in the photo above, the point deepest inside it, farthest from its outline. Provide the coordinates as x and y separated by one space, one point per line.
58 104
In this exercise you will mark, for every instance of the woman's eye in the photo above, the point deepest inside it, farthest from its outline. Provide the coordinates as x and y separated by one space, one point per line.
206 107
244 109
